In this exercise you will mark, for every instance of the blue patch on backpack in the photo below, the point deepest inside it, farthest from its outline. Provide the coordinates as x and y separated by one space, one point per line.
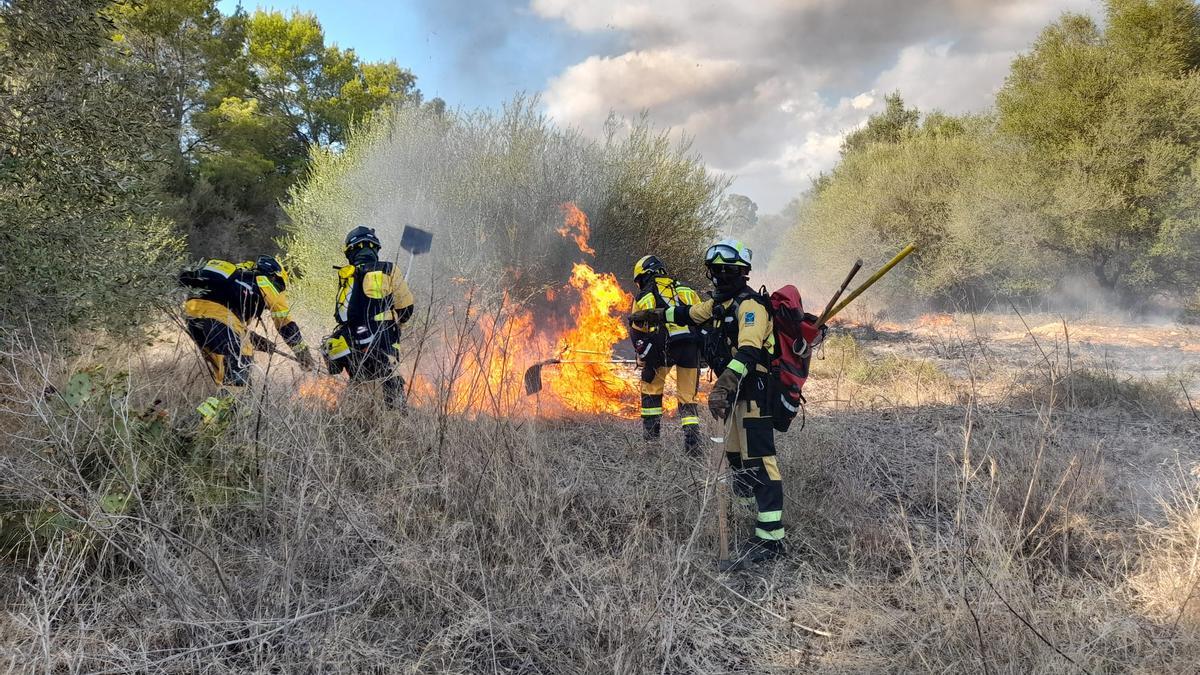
749 319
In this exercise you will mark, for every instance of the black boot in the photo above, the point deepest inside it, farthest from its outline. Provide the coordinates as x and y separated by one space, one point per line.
691 440
756 551
651 428
393 394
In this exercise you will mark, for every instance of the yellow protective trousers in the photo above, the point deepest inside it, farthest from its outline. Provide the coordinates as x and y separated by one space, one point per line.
685 359
221 337
750 449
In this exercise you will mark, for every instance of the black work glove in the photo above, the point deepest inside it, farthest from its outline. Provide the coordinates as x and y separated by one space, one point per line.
649 317
721 397
305 357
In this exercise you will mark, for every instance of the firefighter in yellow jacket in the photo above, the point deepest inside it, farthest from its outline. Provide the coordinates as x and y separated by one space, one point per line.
372 303
738 342
661 347
223 298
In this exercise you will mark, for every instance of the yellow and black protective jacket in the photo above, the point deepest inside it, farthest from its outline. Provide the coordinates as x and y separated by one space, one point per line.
235 295
661 293
371 304
740 333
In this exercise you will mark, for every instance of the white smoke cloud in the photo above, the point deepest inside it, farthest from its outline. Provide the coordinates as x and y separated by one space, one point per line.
769 88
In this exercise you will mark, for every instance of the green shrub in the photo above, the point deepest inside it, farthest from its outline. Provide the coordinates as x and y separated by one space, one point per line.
81 239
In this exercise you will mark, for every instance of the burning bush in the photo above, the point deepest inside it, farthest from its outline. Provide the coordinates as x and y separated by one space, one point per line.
530 222
491 186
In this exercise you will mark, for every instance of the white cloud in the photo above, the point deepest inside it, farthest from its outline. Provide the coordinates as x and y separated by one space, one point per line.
769 88
935 77
862 101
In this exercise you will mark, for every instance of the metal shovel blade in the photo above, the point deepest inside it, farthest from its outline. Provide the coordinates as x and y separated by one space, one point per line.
415 240
533 376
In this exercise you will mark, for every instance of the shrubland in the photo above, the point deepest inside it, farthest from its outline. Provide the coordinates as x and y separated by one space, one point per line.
960 513
953 504
494 186
1086 168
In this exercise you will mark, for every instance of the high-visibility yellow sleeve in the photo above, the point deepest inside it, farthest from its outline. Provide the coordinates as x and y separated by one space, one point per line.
756 338
646 301
699 313
687 296
401 294
281 314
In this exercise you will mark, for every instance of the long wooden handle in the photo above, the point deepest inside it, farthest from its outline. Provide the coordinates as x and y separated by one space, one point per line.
266 344
874 277
722 520
842 289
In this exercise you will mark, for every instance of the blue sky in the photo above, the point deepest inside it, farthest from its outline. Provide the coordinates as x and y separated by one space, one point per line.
470 54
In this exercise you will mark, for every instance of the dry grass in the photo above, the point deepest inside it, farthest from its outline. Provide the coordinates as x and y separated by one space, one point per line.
932 529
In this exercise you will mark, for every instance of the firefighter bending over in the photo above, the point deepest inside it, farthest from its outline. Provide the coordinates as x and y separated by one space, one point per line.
372 303
739 341
659 347
222 299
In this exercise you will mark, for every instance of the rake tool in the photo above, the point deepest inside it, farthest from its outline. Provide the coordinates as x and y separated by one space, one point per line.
265 344
533 374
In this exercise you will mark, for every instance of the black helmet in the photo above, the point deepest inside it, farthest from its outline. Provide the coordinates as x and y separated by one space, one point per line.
648 265
269 267
359 238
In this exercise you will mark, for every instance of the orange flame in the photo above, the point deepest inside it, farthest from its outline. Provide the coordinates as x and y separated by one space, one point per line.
935 320
595 387
324 391
486 349
575 224
486 352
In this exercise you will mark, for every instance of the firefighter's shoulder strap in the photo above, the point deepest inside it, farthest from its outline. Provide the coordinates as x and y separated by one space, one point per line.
360 285
206 273
724 321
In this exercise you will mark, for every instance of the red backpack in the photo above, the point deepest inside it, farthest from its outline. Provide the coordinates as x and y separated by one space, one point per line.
795 333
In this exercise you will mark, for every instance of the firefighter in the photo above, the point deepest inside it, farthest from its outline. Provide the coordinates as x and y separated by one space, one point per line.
659 347
739 340
222 299
372 303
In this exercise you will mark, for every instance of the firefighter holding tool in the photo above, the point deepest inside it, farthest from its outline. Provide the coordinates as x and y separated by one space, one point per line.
372 303
223 298
739 342
660 347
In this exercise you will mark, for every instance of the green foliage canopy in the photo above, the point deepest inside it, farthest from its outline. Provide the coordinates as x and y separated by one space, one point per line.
82 241
491 185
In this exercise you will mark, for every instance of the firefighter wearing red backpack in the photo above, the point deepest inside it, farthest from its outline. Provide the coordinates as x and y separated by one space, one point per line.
660 347
740 343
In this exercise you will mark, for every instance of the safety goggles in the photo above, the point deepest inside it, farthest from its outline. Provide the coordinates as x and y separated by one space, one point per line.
724 254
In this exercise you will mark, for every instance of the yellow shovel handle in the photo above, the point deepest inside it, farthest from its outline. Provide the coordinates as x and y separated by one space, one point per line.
874 277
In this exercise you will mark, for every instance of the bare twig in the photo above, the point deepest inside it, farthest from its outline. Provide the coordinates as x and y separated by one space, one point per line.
1022 619
791 622
1189 401
230 643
